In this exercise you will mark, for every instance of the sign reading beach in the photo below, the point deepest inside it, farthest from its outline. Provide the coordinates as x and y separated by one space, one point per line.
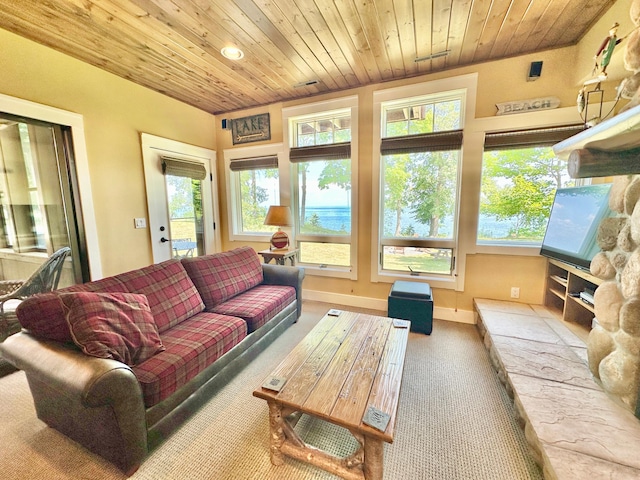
531 105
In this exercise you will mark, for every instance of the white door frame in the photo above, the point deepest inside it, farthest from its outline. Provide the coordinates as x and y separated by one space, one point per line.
26 108
152 148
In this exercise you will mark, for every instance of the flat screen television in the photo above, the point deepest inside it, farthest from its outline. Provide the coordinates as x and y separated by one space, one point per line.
573 224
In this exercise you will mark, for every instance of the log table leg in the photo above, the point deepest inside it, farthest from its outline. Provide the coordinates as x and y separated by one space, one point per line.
277 433
373 456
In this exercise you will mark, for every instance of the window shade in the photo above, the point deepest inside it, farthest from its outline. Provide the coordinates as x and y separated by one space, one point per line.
424 142
537 137
333 151
183 168
254 163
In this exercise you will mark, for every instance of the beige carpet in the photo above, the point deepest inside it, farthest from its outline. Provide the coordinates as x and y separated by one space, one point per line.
455 422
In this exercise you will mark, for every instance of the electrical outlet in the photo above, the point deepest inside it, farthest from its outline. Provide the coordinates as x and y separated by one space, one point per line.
515 292
140 222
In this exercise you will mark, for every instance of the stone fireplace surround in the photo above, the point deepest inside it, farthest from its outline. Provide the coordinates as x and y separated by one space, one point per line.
614 343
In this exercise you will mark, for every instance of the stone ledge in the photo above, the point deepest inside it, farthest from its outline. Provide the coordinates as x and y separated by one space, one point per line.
574 429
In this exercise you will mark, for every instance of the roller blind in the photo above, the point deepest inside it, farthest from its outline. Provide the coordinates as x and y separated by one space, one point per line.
254 163
183 168
424 142
536 137
333 151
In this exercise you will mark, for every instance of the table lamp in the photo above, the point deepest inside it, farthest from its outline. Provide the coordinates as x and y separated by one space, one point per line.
279 216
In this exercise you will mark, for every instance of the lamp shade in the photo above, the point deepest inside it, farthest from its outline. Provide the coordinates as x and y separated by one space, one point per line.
279 215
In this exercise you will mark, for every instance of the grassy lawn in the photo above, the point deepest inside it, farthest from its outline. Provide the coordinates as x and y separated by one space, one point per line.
419 262
325 253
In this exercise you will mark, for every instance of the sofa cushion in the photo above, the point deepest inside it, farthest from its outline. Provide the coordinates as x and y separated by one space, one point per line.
258 305
43 316
221 276
112 325
172 295
191 347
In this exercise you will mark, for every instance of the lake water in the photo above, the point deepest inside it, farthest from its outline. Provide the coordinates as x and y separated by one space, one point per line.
339 218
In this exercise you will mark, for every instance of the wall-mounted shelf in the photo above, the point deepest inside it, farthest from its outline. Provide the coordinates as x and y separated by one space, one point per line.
607 149
616 134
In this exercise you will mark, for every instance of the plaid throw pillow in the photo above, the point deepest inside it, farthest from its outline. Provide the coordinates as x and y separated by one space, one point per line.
112 325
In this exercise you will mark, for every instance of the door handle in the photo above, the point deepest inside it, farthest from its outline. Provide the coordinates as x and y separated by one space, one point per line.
164 240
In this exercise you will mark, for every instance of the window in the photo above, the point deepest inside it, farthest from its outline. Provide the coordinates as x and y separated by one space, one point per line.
254 183
37 188
321 155
183 180
520 175
420 158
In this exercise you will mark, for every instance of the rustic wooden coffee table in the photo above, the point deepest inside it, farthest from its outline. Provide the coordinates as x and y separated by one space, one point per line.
348 371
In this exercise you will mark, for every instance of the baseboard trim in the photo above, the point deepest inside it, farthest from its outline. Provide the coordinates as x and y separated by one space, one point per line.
449 314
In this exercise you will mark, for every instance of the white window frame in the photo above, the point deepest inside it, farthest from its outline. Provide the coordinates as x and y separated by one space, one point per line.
505 123
291 114
234 212
467 84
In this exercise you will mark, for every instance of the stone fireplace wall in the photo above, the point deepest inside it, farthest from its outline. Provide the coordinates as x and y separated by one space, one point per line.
613 345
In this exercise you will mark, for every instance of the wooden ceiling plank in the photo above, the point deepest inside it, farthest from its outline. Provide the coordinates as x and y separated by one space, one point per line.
154 23
316 21
369 19
319 69
495 19
251 20
141 30
121 67
344 42
516 13
138 38
440 34
544 25
475 27
588 15
406 29
561 24
289 10
535 12
218 31
391 36
460 11
359 38
423 21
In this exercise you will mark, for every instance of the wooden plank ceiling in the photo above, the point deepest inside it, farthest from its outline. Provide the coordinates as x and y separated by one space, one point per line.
173 46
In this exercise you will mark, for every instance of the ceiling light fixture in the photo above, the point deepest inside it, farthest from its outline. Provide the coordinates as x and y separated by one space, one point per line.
432 56
232 53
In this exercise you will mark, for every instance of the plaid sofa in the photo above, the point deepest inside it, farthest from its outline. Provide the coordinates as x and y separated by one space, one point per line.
213 315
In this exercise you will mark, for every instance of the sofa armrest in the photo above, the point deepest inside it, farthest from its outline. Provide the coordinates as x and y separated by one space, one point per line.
285 275
97 402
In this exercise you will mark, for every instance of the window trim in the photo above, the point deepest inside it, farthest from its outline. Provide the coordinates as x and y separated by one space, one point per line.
558 117
233 192
442 90
323 108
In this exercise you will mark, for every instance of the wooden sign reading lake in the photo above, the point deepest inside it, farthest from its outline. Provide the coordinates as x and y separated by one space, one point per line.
255 128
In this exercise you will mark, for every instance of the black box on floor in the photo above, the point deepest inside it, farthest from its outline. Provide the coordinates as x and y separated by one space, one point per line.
412 301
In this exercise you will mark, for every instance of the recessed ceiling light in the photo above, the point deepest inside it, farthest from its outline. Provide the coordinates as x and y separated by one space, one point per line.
232 53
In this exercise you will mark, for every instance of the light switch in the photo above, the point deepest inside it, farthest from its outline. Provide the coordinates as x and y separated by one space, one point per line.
140 222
